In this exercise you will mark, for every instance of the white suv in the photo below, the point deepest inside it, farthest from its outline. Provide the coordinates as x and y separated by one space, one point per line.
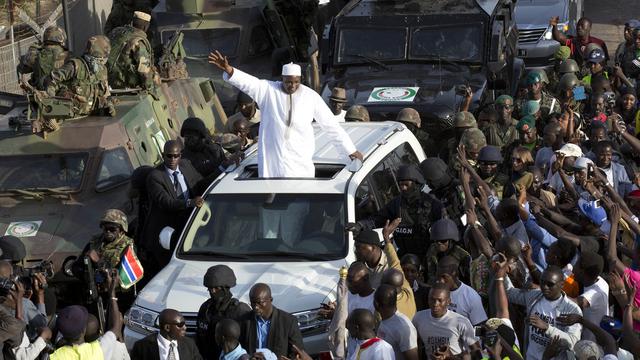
287 233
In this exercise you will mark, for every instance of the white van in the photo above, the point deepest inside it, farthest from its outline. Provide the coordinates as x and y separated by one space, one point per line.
287 233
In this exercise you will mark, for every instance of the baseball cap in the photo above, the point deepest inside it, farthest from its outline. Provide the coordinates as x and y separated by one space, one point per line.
586 349
369 237
592 211
72 321
582 163
571 150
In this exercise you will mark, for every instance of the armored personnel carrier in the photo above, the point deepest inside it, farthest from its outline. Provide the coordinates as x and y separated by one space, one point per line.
54 190
389 55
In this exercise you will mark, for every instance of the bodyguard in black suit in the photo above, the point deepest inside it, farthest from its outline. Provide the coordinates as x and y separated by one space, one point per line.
170 343
173 188
269 327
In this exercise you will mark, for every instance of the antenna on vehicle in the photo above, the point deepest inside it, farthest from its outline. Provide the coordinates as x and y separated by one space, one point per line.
440 73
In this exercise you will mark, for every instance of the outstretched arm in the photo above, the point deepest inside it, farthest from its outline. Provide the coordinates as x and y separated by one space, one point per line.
557 34
614 216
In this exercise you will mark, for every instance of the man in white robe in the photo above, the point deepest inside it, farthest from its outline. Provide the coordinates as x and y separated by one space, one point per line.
286 143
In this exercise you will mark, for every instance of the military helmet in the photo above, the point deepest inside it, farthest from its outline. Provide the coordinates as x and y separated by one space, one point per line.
464 119
357 113
568 81
54 34
115 216
473 139
590 47
98 46
568 66
219 276
409 115
536 76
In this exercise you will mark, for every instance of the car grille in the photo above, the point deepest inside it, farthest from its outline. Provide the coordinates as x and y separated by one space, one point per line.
191 320
530 35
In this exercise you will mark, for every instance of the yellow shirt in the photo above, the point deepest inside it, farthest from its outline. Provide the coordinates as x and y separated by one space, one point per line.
86 351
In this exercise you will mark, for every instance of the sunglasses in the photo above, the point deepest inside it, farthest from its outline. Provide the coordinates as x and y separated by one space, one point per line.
172 156
548 284
515 159
505 106
443 241
179 324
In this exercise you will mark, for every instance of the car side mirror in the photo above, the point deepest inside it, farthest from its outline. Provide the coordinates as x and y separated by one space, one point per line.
165 237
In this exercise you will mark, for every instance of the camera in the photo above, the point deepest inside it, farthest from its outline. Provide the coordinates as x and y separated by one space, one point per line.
45 267
609 101
489 337
6 285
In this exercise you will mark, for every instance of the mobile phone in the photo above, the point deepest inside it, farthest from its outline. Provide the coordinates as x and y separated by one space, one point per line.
579 93
463 219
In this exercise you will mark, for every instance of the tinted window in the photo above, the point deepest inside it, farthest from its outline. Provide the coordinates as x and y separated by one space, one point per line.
56 171
453 42
114 169
274 227
389 44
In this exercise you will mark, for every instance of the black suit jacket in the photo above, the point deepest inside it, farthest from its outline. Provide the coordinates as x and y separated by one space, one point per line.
147 349
165 208
283 333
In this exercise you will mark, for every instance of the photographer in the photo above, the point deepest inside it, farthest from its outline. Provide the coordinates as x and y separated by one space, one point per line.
104 250
13 252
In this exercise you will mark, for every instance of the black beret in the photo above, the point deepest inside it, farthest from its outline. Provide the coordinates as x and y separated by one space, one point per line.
219 275
368 237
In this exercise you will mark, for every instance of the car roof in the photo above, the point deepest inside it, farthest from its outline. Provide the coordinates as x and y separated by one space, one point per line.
328 159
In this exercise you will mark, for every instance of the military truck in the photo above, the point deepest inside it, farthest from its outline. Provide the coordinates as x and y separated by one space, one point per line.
258 36
389 55
54 190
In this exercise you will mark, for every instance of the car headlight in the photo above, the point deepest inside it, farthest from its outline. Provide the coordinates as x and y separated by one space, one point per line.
548 34
311 323
142 320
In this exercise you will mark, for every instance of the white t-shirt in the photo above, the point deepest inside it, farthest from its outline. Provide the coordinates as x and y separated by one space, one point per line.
598 297
399 332
547 311
451 329
467 302
356 301
380 350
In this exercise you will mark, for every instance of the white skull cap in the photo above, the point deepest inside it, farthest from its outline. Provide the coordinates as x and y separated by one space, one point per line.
291 69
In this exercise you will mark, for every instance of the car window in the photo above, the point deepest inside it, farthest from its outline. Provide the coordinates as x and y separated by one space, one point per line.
260 42
381 186
114 169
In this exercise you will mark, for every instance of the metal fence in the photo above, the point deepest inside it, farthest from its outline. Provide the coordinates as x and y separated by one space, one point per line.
9 52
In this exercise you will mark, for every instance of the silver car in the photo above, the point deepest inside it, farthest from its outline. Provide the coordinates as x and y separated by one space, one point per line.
535 44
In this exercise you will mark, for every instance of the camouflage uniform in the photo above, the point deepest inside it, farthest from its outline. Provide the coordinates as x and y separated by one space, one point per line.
455 251
130 62
40 61
548 105
472 139
497 183
500 136
84 79
111 252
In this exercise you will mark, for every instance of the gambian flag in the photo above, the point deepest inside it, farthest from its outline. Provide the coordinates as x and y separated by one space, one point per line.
130 271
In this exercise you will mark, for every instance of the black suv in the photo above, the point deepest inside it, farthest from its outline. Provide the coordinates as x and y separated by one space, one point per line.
419 53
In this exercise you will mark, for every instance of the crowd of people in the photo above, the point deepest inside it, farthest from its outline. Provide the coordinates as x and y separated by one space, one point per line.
518 240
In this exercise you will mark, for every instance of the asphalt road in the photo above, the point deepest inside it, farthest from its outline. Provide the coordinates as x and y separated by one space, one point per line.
608 18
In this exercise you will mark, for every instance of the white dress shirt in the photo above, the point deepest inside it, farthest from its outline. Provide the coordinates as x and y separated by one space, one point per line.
164 345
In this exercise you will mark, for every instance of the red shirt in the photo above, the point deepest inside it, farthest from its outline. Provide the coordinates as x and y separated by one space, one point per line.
577 48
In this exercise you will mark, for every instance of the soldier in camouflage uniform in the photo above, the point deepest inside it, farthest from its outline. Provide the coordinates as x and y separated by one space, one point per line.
445 237
462 121
357 113
489 161
40 61
122 11
130 63
411 119
548 104
109 246
502 132
561 55
473 140
84 79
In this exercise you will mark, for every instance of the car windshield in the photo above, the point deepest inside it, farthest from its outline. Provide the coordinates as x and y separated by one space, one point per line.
355 45
56 171
270 227
461 43
200 42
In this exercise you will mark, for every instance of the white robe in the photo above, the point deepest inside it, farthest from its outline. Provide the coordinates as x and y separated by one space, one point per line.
287 151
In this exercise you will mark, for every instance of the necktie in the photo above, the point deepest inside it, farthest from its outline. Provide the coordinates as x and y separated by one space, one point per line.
176 185
172 354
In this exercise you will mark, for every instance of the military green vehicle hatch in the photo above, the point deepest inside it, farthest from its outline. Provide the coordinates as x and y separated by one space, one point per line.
53 191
